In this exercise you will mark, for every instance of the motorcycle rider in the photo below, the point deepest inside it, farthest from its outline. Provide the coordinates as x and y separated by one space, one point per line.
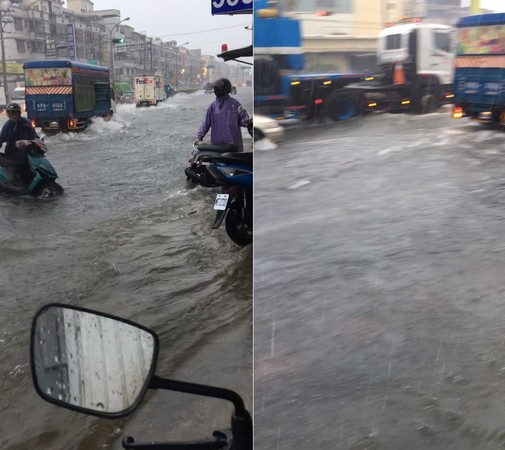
224 117
14 133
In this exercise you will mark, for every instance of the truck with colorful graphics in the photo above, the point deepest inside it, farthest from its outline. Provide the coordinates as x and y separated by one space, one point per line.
415 69
479 80
149 90
63 95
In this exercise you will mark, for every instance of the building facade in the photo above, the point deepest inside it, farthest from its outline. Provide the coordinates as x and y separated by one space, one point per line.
44 29
341 35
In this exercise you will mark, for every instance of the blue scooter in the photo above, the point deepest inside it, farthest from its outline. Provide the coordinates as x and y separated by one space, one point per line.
35 177
234 172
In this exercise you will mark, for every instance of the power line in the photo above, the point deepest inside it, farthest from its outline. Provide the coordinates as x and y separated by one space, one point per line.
203 31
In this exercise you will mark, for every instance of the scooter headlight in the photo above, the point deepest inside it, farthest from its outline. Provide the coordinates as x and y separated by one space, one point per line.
230 171
227 171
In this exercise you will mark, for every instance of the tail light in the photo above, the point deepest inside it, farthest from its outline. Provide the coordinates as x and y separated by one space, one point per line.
33 122
457 112
71 123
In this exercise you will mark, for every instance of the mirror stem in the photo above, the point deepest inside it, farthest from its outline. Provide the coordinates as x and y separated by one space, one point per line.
200 389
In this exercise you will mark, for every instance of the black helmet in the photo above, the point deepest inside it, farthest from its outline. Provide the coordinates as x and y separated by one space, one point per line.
11 107
222 86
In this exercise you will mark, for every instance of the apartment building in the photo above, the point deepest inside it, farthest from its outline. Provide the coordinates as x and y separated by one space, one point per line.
341 35
44 29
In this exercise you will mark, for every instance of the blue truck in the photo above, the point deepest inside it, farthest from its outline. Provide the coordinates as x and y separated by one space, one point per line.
415 68
65 95
479 81
280 89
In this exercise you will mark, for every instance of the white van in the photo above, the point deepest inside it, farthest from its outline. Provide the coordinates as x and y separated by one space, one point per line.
18 96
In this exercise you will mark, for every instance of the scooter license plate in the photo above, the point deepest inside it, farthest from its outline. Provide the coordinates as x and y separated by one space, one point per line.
221 201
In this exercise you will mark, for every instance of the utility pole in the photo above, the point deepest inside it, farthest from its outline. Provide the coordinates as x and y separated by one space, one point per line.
111 50
177 64
151 52
4 12
475 7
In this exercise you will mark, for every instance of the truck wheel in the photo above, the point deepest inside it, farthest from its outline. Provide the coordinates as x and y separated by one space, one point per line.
427 102
342 105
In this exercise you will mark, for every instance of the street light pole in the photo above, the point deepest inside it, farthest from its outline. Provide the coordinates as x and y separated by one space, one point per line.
110 49
177 65
4 10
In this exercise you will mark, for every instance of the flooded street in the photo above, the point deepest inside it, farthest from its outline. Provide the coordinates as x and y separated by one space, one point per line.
130 237
379 295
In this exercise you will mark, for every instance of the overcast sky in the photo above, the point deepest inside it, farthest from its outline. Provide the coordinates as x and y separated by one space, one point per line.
191 21
184 21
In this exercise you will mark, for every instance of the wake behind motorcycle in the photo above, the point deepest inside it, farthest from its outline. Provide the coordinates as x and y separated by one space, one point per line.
234 172
102 365
36 176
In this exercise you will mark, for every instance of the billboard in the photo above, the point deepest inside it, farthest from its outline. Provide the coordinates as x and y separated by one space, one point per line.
71 41
221 7
51 51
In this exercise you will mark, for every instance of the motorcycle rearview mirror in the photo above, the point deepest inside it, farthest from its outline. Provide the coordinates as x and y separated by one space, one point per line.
102 365
91 362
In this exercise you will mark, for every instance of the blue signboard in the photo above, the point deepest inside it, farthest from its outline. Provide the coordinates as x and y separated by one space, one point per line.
71 41
232 7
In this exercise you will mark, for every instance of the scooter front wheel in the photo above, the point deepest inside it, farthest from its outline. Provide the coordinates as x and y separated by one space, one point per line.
47 189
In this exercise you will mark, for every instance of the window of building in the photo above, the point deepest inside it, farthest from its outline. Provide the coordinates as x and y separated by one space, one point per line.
443 41
21 46
18 24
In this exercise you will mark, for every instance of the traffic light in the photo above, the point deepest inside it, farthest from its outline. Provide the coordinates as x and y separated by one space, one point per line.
118 40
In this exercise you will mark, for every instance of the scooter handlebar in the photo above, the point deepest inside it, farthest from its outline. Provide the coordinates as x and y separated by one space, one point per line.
219 442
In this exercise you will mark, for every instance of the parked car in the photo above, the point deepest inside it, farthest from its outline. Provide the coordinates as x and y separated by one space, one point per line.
127 97
266 127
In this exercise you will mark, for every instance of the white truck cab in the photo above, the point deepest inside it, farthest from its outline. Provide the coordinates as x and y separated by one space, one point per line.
424 49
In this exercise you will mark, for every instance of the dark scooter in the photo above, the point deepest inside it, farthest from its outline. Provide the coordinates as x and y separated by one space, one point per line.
36 176
197 172
102 365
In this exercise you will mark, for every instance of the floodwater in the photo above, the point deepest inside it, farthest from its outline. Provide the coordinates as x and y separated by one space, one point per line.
130 238
379 294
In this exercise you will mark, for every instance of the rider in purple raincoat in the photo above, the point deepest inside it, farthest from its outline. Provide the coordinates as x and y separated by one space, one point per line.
224 116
